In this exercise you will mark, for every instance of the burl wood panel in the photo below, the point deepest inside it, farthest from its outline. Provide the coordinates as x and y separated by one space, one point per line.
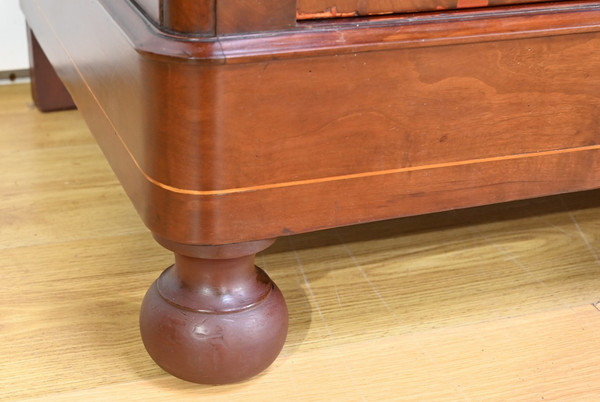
312 9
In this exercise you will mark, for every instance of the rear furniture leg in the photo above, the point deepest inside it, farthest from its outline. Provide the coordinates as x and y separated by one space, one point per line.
214 317
47 89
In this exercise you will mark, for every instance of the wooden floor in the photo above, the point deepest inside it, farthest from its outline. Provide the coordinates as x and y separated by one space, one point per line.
486 304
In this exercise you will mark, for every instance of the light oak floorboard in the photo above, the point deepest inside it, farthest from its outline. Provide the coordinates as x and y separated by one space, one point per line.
486 304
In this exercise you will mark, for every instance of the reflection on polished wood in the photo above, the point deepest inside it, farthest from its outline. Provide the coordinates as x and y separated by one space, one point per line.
489 303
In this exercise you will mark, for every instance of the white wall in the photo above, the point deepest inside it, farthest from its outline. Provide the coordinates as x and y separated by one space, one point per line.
13 37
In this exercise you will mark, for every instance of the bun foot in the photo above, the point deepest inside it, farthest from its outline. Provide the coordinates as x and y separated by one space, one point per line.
214 317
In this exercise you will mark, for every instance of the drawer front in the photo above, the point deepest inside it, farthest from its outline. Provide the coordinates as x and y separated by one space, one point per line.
318 9
207 17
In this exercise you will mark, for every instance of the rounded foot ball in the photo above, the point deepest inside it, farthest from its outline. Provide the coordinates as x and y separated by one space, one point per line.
213 321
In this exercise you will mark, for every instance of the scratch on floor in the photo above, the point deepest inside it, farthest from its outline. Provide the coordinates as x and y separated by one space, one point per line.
316 306
335 288
364 275
413 336
515 260
552 225
309 289
584 237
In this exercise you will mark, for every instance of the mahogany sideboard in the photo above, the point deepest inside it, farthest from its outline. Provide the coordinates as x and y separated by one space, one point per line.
230 123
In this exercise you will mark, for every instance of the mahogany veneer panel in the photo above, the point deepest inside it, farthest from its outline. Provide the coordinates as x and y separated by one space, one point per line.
348 137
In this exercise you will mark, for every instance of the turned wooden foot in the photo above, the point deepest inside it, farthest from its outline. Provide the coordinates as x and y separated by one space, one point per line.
214 317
